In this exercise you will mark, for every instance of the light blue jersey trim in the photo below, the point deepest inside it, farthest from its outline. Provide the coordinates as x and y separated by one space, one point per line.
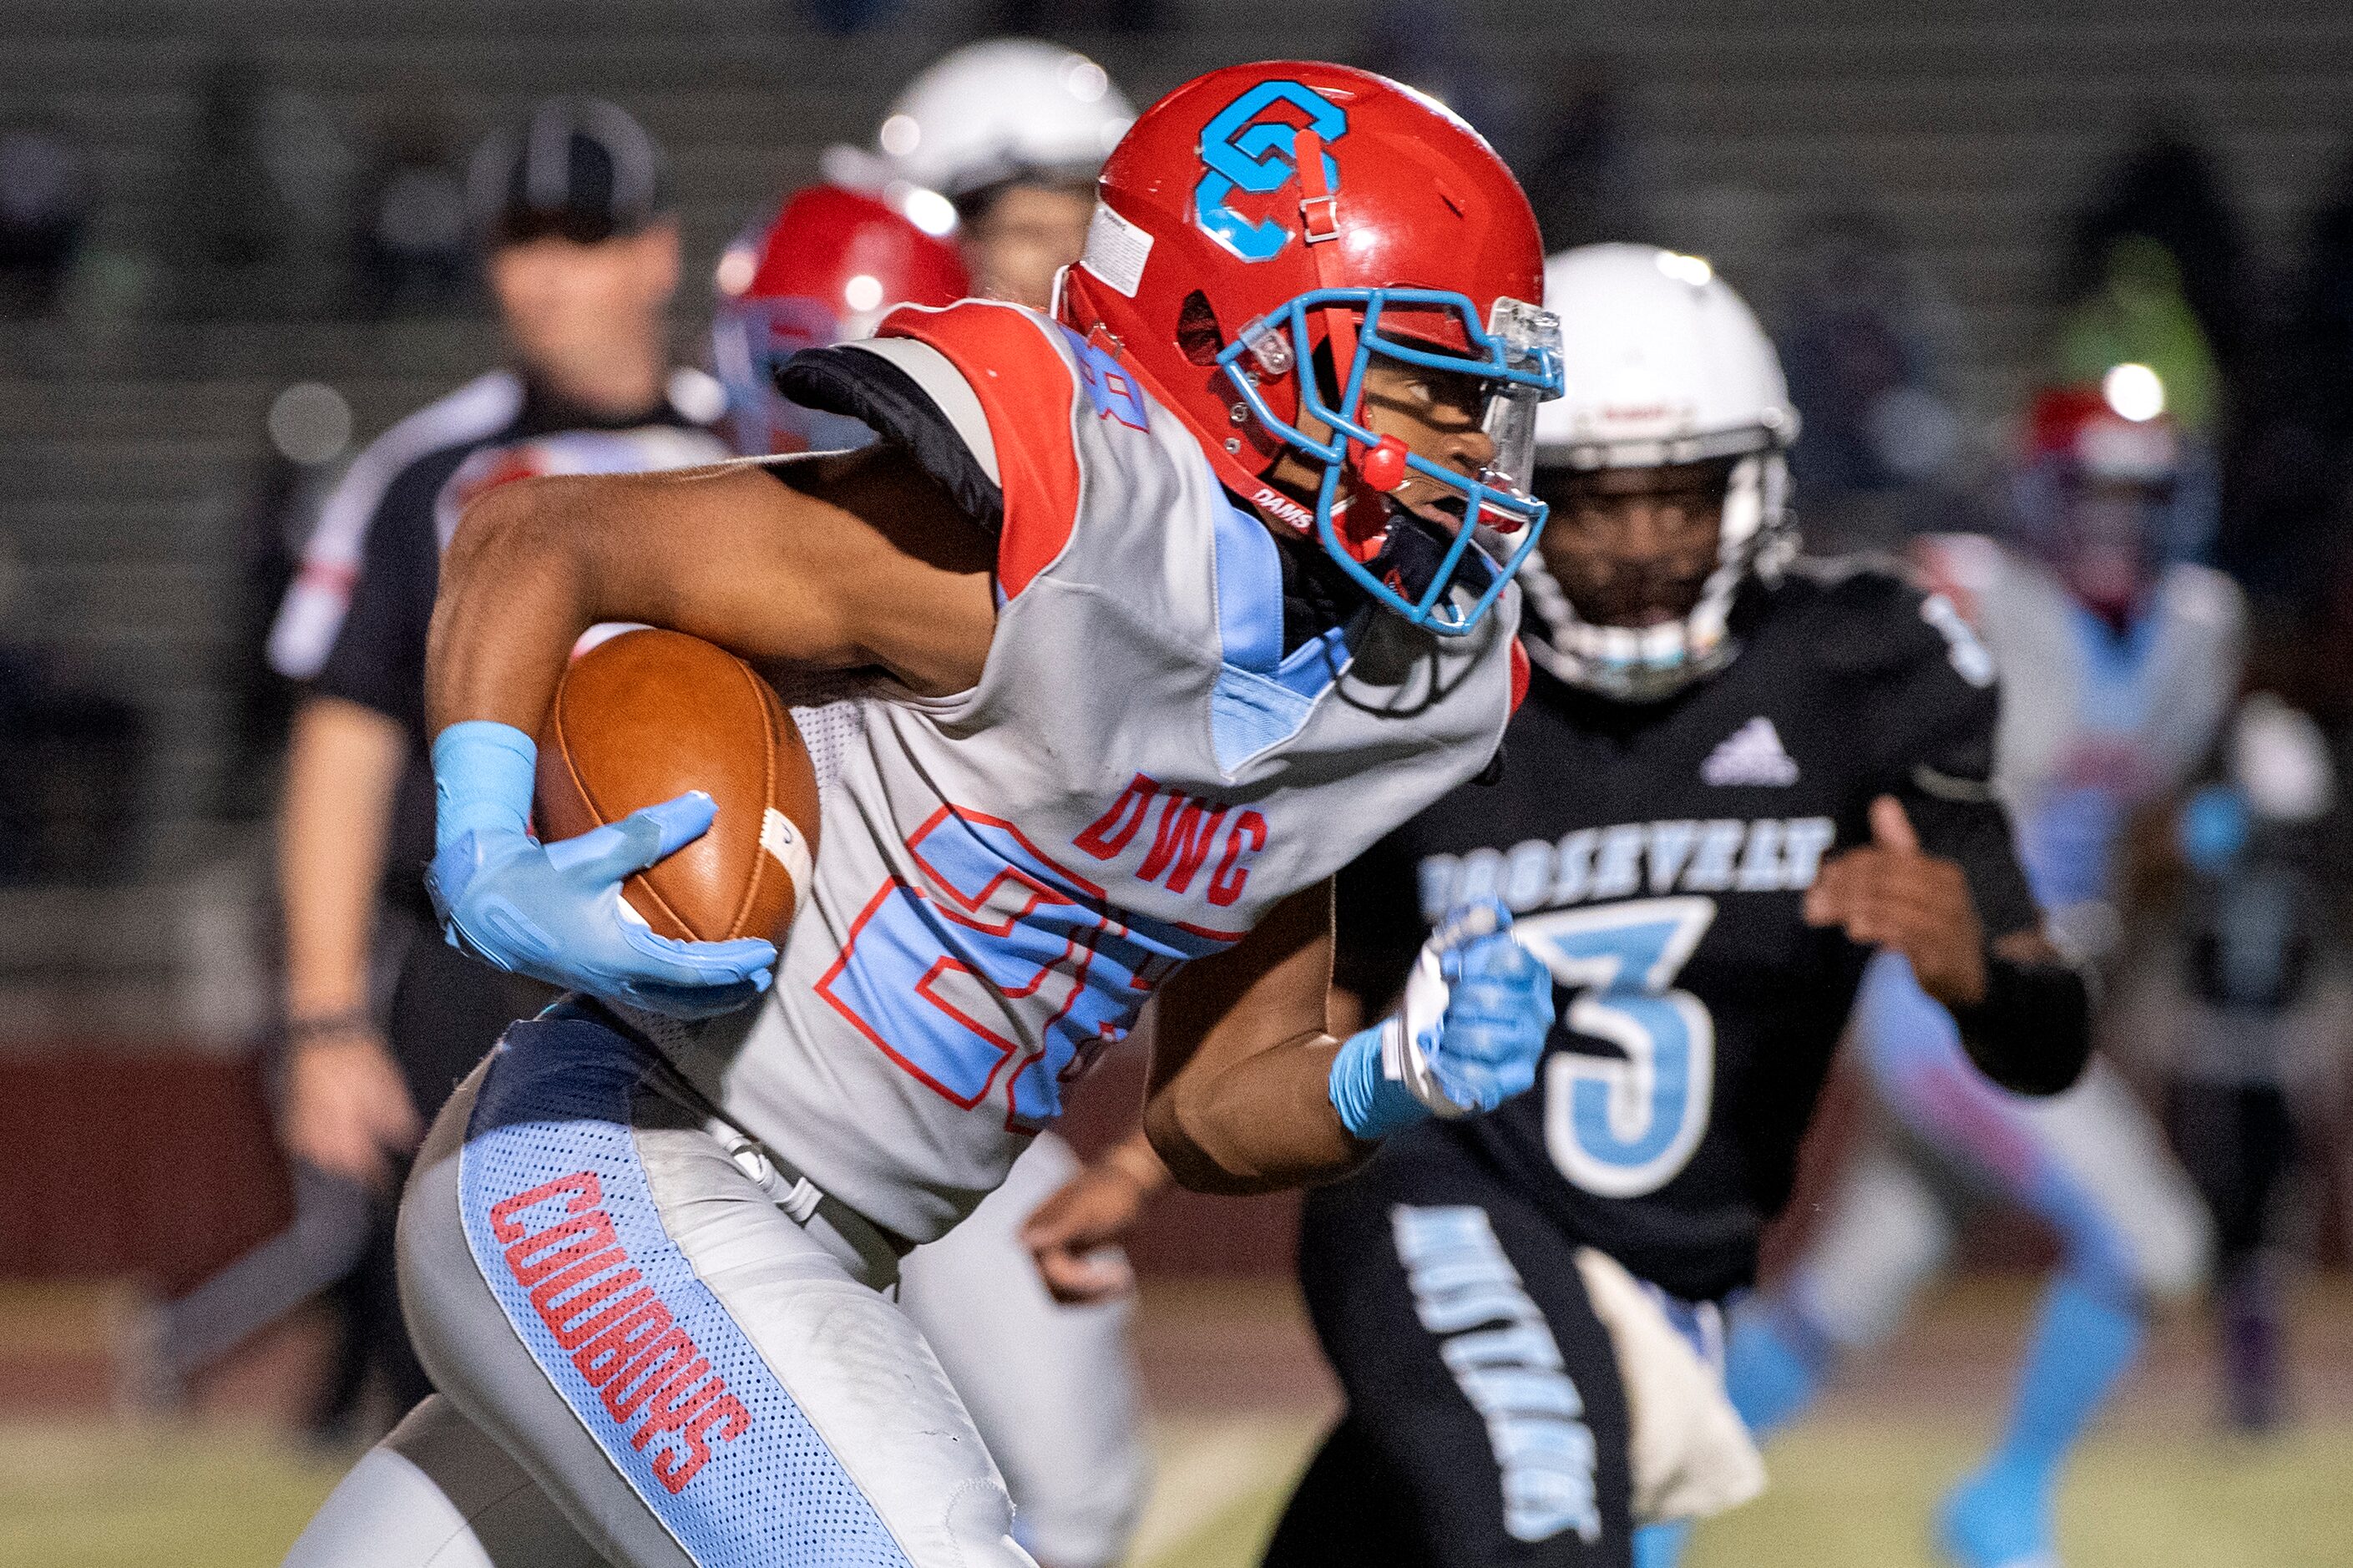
2116 690
1249 591
1261 699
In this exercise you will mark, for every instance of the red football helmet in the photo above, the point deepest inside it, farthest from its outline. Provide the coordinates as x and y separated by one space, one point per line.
831 266
2101 492
2117 432
1268 218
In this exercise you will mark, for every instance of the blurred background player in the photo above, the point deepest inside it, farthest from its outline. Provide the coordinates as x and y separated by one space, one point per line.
999 143
1051 1387
828 268
2258 1015
581 254
2130 664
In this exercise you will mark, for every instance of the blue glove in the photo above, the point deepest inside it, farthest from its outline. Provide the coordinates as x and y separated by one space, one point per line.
1466 1037
555 911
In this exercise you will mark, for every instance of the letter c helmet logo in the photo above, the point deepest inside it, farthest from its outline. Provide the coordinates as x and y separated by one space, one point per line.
1241 151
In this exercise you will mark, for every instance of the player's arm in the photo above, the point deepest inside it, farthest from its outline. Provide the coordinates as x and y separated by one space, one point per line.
1250 1091
1073 1236
857 561
1939 881
2024 1011
1239 1099
347 1108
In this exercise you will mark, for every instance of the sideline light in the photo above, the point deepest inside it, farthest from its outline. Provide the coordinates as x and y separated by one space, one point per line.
929 211
1692 270
2134 391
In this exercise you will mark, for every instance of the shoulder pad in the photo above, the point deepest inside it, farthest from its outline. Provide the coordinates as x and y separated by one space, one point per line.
912 396
1963 567
1017 368
1864 613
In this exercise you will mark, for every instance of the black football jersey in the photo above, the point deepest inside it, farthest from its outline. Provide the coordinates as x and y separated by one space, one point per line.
1656 855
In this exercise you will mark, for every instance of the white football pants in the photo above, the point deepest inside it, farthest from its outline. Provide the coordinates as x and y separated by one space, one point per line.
652 1348
1052 1388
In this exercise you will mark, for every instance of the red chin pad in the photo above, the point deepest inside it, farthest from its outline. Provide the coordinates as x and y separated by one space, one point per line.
1383 467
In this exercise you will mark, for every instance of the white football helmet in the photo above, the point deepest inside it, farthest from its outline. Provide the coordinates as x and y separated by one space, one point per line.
1000 110
1663 364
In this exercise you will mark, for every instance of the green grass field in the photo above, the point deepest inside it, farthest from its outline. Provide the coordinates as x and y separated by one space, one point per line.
1846 1494
1857 1494
1241 1396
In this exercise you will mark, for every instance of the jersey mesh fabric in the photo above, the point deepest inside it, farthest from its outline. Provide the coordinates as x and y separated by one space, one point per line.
828 731
553 1119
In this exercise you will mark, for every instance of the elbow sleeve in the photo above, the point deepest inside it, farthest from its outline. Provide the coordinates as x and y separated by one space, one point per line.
2032 1032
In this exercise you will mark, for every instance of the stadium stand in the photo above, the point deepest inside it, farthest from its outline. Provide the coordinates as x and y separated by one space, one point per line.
134 429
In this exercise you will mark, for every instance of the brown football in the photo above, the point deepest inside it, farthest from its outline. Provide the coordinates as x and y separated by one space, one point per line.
651 714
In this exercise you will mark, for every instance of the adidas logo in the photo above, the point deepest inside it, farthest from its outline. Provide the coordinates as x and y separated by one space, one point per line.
1751 755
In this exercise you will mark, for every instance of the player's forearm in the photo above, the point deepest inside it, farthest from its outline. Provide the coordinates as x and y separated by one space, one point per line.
1241 1097
342 767
2031 1030
858 562
1261 1124
518 587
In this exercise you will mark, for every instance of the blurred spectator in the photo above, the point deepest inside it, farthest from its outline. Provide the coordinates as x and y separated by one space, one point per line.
74 754
1867 346
229 220
1588 180
256 215
410 245
2165 189
2326 318
2291 469
45 201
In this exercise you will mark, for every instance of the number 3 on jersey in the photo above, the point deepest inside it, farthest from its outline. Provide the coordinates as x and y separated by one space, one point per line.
1617 1127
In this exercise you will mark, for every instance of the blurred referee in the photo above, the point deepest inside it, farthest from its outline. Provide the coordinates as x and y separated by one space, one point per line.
382 1018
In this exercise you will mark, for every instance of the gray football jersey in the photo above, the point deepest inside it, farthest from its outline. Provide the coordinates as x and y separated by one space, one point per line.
1006 876
2093 724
